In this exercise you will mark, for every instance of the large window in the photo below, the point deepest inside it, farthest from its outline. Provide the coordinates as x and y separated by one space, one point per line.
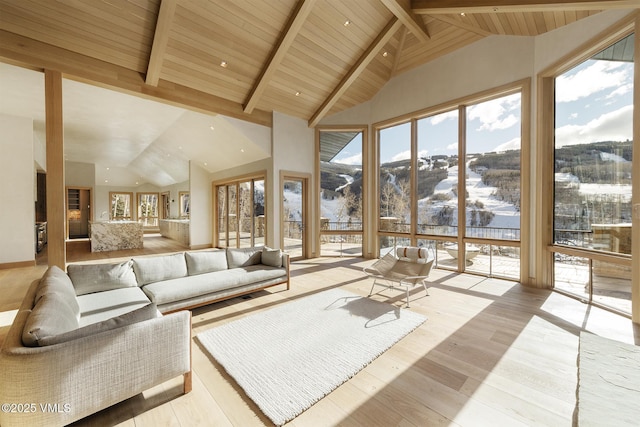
593 165
185 204
241 213
148 208
437 183
119 207
394 182
450 180
341 192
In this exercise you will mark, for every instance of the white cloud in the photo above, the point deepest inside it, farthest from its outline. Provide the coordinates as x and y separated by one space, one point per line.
592 79
513 144
423 153
622 90
356 159
573 115
451 115
403 155
453 146
491 114
613 126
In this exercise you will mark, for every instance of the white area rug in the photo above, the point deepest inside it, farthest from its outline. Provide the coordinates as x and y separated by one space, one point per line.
289 357
608 382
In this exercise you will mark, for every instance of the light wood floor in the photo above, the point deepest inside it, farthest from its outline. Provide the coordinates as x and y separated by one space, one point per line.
492 353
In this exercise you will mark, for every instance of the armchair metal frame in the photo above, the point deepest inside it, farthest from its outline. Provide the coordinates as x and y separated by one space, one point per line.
409 268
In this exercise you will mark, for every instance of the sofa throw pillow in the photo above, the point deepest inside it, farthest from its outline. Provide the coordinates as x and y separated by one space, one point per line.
243 257
200 262
272 257
49 317
56 281
149 311
159 268
90 278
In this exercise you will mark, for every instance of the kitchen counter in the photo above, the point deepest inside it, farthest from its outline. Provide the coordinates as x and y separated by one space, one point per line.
176 229
115 235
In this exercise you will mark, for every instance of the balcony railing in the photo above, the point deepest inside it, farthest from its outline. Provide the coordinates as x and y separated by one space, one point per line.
496 233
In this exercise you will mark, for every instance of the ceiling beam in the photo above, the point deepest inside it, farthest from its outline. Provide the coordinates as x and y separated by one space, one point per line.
23 51
402 10
455 22
385 35
160 40
297 19
396 59
432 7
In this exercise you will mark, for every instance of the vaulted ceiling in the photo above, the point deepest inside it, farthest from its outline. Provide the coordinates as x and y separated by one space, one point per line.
240 59
247 58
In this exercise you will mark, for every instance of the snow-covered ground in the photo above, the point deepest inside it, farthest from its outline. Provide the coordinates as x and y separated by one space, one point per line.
614 189
506 214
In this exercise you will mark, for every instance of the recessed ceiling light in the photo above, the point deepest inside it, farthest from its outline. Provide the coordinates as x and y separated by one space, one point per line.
385 53
463 14
136 182
347 23
223 64
106 180
180 147
242 150
107 168
298 93
212 128
205 163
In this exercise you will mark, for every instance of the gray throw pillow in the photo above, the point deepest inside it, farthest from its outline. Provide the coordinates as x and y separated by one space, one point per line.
200 262
272 257
89 278
159 268
49 317
149 311
56 281
243 257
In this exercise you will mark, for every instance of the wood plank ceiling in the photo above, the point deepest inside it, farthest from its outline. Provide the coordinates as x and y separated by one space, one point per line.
247 58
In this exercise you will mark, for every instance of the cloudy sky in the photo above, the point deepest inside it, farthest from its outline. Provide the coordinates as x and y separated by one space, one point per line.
594 102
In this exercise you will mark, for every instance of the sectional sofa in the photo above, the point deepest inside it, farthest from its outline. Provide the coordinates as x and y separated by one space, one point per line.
101 333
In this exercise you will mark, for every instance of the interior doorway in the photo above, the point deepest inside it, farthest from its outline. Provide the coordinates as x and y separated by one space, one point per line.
78 212
294 210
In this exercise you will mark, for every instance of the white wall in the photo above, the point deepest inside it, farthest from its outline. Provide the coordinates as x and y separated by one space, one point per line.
78 174
39 153
17 215
293 151
201 220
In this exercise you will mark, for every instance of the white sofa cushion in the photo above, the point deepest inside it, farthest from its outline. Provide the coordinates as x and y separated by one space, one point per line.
88 278
200 262
149 311
159 267
100 306
243 257
57 282
50 316
188 287
272 257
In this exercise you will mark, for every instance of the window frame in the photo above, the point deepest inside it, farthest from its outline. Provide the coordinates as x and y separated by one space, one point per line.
143 218
546 248
524 88
216 186
365 231
129 217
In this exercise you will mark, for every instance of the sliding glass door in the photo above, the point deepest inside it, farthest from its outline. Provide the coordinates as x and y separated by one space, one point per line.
240 220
